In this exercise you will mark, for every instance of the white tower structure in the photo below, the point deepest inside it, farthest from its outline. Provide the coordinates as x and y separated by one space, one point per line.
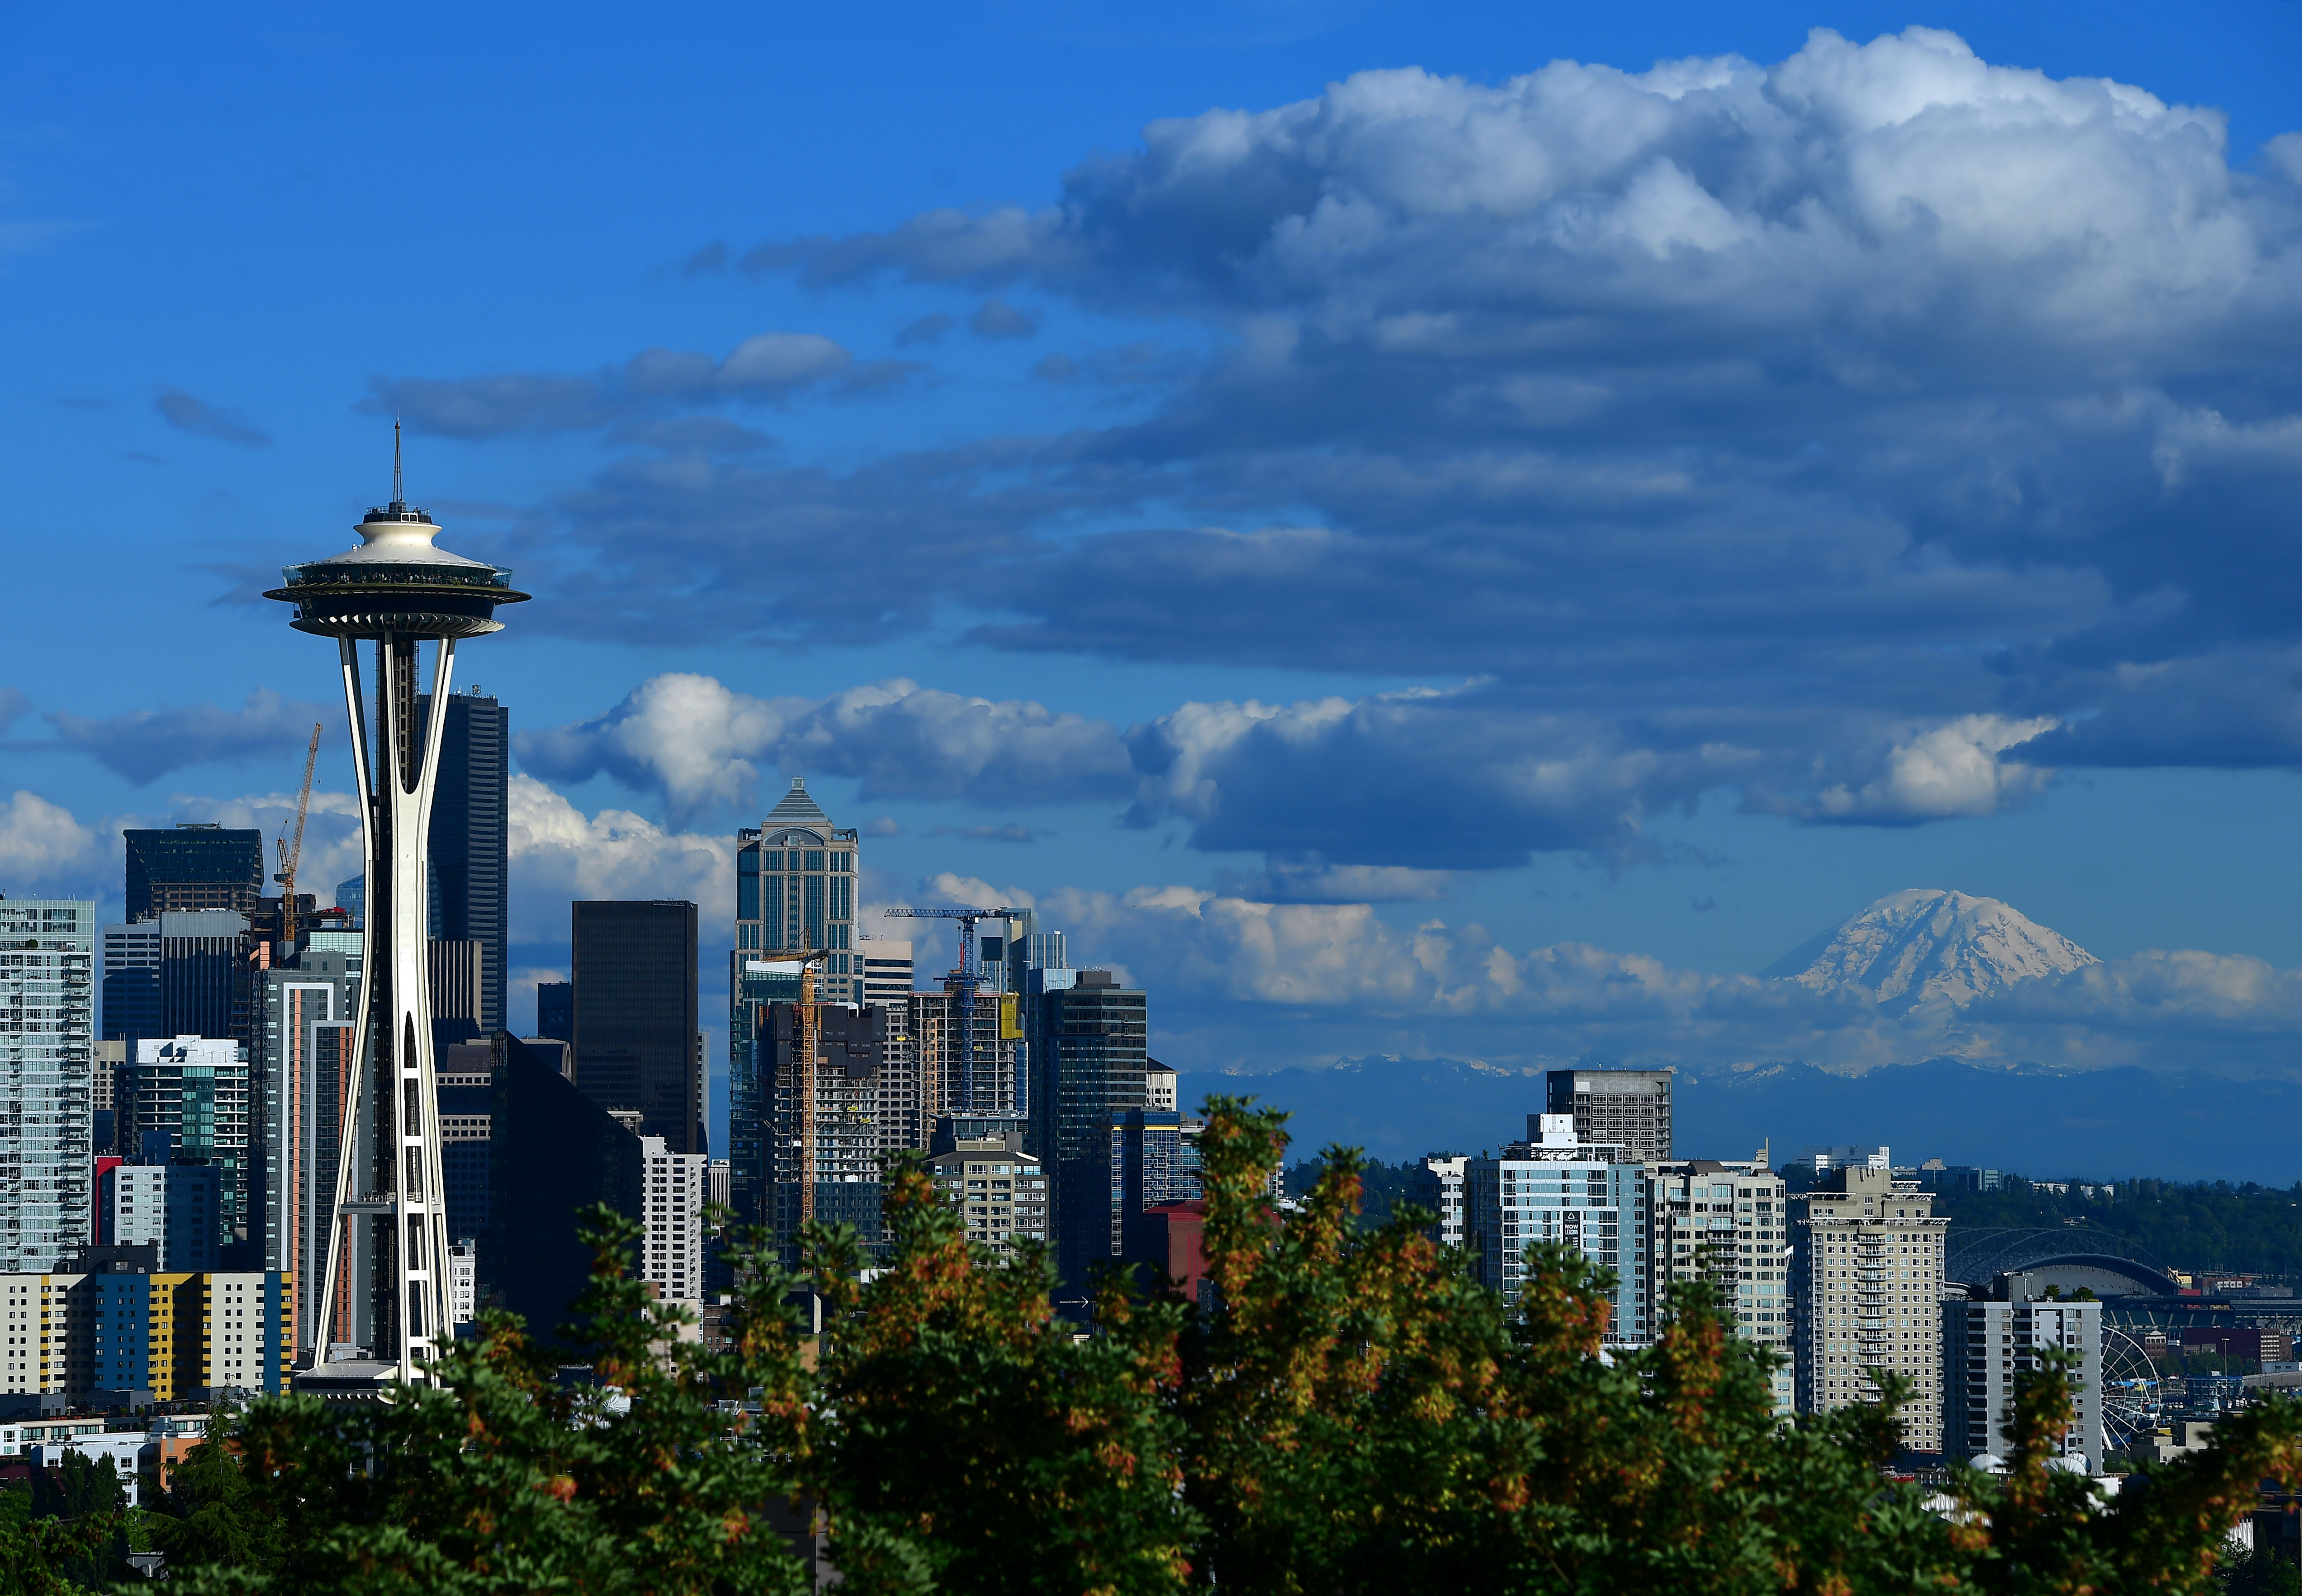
387 1288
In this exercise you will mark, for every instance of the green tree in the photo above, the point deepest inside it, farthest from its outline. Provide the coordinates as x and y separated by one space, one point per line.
973 1442
504 1478
1354 1414
67 1534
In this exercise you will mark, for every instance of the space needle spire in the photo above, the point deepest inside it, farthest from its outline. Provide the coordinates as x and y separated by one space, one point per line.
386 1289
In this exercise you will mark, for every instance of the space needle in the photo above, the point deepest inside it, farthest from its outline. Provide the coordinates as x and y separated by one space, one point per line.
386 1286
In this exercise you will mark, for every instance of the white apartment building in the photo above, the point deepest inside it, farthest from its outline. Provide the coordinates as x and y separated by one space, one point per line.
1438 1186
1867 1275
671 1206
47 1064
1727 1223
464 1281
1159 1086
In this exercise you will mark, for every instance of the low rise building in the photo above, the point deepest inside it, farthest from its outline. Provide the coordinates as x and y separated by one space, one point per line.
1988 1344
1000 1190
132 1335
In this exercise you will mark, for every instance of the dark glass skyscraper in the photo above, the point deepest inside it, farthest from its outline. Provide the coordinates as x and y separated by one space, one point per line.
467 845
191 868
551 1153
205 985
554 1009
635 1038
1090 1043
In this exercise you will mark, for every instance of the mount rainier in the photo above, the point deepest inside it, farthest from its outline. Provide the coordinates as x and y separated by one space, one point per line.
1926 947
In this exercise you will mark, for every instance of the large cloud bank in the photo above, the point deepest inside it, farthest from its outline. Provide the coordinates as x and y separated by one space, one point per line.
1871 433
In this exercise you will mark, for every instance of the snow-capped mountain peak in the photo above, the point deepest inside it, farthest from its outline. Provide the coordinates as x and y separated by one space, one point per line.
1925 945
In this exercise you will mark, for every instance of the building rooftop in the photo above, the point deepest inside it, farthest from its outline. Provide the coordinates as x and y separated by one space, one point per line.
797 805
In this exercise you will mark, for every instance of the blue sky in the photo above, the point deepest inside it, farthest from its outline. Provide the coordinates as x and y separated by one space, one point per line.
1372 508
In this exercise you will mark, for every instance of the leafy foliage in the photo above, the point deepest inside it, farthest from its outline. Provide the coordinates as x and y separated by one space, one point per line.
507 1479
1352 1414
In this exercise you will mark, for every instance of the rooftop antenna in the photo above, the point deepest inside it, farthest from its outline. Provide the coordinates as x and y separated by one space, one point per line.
398 499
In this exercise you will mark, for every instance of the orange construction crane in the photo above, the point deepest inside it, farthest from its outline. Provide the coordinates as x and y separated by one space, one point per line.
292 854
804 1082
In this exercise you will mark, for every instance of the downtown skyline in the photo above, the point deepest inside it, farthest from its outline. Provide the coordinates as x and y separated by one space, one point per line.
1451 551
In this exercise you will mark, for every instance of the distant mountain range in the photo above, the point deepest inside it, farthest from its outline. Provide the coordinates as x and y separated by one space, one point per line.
1923 950
2103 1124
1927 945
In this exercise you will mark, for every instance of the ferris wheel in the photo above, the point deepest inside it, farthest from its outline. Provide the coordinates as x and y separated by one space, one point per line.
2130 1389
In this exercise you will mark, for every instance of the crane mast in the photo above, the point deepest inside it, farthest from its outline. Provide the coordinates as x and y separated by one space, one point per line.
292 853
968 976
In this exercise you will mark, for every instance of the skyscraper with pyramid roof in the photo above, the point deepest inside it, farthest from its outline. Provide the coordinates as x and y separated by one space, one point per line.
797 876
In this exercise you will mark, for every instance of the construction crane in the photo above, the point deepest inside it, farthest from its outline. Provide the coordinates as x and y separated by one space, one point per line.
803 1062
969 973
292 852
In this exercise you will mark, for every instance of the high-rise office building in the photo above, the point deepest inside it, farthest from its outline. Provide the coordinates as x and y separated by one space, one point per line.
1867 1277
671 1208
1727 1223
189 867
468 843
756 983
193 1094
455 972
1986 1344
1629 1108
203 973
131 981
555 1010
796 877
465 1101
47 986
636 1038
1089 1047
1556 1187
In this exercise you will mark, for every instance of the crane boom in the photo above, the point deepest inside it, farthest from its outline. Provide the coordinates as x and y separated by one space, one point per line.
292 853
968 976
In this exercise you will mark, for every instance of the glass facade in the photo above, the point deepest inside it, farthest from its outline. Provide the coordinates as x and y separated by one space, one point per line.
466 849
193 866
1090 1048
635 1041
795 893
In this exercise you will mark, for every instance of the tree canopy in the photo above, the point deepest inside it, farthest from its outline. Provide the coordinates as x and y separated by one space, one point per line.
1353 1414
